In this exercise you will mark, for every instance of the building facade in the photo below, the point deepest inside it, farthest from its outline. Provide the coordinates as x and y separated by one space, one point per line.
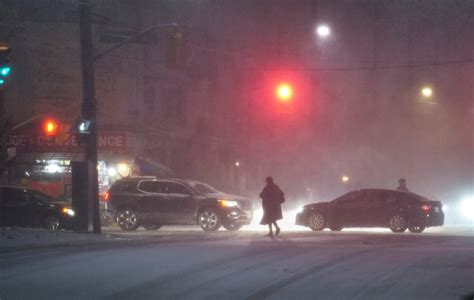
171 118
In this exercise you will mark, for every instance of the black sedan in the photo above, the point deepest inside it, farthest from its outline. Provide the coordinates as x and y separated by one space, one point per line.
373 208
30 208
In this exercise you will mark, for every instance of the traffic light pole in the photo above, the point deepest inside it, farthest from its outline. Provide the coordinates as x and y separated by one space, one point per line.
3 134
89 113
89 103
2 104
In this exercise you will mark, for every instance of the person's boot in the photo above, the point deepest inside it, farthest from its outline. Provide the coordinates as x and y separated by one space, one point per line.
277 231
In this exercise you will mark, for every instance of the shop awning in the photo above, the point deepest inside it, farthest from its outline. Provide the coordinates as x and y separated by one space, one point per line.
32 157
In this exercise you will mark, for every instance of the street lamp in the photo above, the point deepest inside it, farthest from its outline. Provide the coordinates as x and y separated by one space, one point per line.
323 30
427 92
345 178
237 163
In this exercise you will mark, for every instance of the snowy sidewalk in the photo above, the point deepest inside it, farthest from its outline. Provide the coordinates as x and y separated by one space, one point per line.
11 238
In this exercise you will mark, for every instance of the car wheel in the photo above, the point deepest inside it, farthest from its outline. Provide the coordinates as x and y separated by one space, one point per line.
51 223
397 224
232 226
335 227
417 228
152 226
209 220
127 220
316 221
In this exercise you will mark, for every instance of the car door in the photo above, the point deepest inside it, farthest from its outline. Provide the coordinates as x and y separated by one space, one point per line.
183 201
152 203
174 199
381 202
363 210
2 206
350 209
10 207
19 208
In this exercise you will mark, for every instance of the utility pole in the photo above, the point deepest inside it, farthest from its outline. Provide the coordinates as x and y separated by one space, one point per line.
89 113
2 104
4 119
3 134
89 104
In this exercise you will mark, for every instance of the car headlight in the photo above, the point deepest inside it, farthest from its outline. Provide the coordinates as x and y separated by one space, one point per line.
467 207
228 203
300 209
69 212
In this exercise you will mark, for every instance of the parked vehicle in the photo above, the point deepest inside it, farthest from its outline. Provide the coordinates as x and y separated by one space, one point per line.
151 202
31 208
373 208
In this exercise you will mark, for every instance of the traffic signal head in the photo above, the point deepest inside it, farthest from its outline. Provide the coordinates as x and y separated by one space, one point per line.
83 126
284 92
50 127
5 69
83 130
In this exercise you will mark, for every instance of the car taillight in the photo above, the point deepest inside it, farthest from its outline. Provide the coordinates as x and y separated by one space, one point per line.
426 207
106 197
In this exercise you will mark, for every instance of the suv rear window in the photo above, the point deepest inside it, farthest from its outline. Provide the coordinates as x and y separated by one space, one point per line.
124 186
176 188
152 186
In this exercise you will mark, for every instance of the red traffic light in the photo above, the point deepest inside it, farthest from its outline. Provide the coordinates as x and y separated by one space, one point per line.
50 127
284 92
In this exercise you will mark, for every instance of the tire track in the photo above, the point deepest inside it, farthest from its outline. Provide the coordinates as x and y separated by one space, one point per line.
283 283
165 280
60 254
220 278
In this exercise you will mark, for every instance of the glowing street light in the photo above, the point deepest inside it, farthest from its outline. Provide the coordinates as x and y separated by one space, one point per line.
284 92
123 169
345 178
323 30
112 171
427 92
237 163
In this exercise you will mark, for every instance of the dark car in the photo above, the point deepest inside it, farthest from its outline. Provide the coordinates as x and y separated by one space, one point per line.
152 202
373 208
24 207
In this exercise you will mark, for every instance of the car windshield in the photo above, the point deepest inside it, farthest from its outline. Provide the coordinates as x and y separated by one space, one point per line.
43 197
204 188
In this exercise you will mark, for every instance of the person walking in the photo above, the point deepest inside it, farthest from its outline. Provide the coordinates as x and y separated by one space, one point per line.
402 185
272 198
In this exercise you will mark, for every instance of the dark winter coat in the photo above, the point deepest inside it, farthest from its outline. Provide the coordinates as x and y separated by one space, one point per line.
272 197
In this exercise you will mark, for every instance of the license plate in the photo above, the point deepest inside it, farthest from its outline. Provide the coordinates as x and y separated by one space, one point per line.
436 209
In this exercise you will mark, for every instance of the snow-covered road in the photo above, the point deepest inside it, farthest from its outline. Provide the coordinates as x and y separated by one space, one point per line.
301 265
